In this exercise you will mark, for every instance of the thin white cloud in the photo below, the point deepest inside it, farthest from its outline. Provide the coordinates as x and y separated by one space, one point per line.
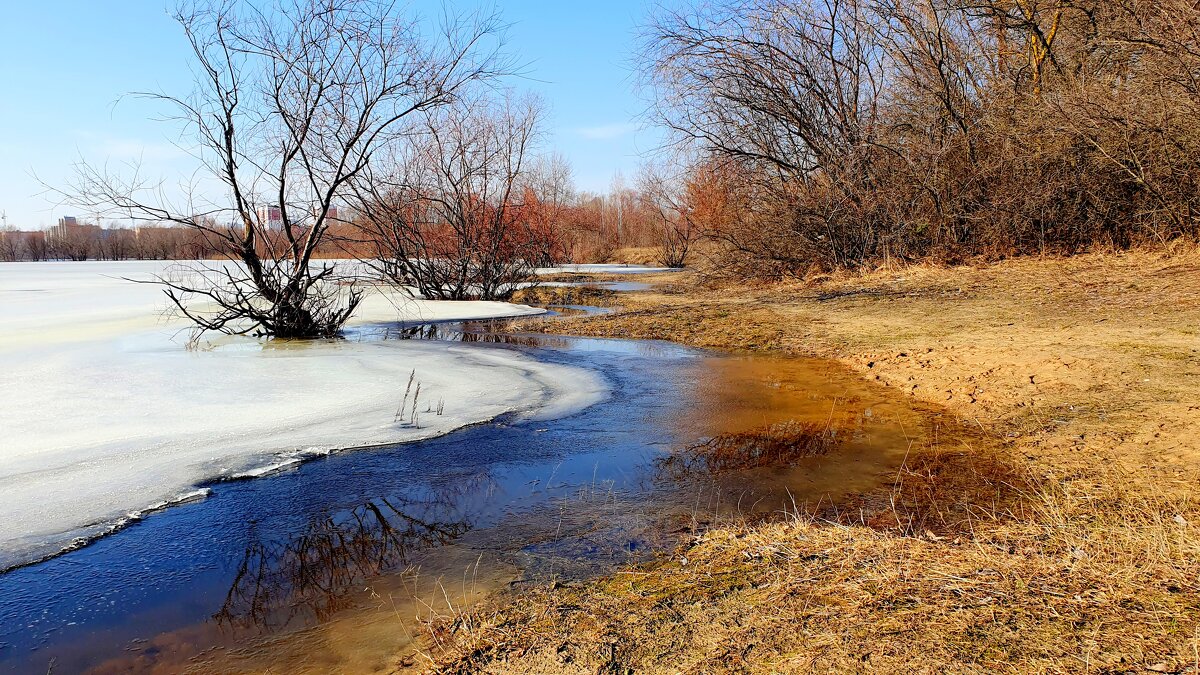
606 132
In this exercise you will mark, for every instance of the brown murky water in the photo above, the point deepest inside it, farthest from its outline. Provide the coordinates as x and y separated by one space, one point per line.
796 432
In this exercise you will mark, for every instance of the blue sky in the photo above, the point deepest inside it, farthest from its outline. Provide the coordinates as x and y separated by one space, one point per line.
65 66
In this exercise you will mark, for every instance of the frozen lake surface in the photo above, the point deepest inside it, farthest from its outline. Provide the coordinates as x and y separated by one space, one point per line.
108 415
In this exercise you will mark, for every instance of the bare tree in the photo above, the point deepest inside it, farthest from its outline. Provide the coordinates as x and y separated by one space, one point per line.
790 89
667 192
861 131
117 243
291 104
451 215
551 177
552 184
74 241
11 244
35 246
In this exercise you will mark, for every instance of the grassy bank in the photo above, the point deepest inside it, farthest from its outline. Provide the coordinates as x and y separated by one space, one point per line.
1063 538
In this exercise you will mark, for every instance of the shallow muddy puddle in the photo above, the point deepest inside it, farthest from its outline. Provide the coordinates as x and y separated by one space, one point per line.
335 564
780 434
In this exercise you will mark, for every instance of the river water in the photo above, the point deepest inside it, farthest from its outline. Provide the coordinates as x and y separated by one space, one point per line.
335 564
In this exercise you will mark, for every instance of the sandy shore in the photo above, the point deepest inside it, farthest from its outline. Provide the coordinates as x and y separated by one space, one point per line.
1060 535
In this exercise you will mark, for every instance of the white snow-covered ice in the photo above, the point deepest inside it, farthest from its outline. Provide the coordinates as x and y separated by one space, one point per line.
104 414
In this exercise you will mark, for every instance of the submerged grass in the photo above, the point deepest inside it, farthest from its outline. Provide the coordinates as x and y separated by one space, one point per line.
1052 527
776 445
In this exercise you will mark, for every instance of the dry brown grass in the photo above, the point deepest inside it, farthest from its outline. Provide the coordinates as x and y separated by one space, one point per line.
802 595
1060 535
565 295
724 323
644 255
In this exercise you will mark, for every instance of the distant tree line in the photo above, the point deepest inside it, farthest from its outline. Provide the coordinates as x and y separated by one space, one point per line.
84 241
18 245
570 226
845 133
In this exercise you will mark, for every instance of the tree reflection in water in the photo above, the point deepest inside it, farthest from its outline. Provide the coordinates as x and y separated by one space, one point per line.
314 575
478 332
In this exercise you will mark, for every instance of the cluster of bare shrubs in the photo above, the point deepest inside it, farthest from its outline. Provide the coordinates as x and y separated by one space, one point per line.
849 132
18 245
455 214
594 226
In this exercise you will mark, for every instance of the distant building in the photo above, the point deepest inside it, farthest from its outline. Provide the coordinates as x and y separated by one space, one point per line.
270 217
74 241
331 213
